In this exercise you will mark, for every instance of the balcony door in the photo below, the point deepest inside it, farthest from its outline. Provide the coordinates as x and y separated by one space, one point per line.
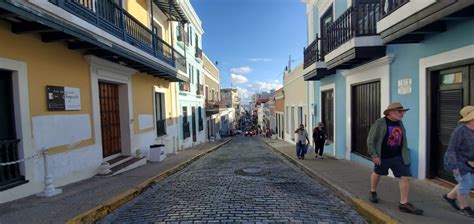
452 90
325 21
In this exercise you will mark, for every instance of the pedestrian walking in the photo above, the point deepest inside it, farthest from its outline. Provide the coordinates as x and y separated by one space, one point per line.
301 137
319 139
387 145
459 159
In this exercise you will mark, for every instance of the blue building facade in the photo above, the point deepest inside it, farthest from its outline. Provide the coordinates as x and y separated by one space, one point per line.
427 65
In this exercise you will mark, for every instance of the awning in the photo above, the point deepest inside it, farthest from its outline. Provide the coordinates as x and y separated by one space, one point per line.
172 8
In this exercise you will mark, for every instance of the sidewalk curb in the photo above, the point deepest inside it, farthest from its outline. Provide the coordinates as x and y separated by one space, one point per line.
106 208
372 214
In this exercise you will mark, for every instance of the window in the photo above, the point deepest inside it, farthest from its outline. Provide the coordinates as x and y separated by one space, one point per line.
213 94
292 119
160 114
206 96
300 116
327 109
179 32
287 122
186 132
201 125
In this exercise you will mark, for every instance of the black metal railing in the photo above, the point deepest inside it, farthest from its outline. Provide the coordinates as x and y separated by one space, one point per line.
186 130
180 61
388 6
9 153
184 86
311 53
198 53
358 20
200 90
161 127
111 17
212 105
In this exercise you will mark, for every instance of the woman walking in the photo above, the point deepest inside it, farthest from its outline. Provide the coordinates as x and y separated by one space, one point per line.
319 138
459 159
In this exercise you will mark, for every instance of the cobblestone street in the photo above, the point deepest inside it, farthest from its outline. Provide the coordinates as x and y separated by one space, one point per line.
241 182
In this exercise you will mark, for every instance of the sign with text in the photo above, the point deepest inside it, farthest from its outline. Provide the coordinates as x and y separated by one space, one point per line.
63 98
404 86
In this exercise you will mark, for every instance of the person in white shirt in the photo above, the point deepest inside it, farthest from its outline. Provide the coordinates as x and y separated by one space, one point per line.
301 138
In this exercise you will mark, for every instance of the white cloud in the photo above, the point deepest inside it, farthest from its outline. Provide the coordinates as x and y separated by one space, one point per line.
246 93
260 59
238 79
266 86
241 70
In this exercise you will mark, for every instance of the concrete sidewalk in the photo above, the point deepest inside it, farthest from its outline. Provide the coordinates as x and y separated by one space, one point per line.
352 182
88 195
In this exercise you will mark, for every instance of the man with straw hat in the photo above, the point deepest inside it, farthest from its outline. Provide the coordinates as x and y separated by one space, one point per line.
459 159
387 145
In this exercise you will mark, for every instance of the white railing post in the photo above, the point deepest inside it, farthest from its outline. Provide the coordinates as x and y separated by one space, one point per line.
49 189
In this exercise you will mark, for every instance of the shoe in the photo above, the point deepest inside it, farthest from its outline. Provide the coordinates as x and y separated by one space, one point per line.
373 197
452 202
467 211
409 208
302 158
321 157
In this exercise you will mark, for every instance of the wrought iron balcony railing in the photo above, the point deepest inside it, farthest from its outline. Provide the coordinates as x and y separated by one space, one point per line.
388 6
161 127
180 61
200 90
111 17
311 53
198 53
359 20
10 173
184 86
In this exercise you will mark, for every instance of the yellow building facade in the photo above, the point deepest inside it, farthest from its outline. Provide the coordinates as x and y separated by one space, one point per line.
92 95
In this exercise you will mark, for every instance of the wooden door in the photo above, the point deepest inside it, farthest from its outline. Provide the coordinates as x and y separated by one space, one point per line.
110 118
451 92
193 121
365 110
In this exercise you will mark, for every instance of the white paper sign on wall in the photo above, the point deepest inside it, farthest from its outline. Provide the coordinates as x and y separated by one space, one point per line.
72 98
404 86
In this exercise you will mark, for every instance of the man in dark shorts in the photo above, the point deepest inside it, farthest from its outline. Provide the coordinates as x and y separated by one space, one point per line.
387 144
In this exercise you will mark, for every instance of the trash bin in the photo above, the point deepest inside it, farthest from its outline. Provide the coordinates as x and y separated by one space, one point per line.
157 152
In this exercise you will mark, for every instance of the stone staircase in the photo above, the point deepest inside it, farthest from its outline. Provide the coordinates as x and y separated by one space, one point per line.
121 164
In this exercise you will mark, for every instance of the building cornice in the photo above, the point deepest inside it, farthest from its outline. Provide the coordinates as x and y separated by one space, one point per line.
372 65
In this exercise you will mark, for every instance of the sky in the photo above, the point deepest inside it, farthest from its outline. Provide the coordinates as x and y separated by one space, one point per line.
252 40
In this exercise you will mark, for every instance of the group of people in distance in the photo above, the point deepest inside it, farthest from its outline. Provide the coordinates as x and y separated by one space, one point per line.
388 148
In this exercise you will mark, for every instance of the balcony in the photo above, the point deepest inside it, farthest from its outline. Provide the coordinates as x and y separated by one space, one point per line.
200 90
352 38
184 87
198 53
115 35
409 21
312 57
212 107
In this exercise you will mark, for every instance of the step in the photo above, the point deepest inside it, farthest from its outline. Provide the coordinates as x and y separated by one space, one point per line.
118 160
130 164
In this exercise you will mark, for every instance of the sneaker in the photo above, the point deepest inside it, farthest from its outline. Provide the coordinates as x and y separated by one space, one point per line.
409 208
373 197
467 211
452 202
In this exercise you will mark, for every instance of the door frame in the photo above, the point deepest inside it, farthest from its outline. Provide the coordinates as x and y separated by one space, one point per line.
322 89
376 70
453 58
433 72
103 70
19 74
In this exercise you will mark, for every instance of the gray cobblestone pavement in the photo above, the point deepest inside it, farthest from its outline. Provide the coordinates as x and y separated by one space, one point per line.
241 182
